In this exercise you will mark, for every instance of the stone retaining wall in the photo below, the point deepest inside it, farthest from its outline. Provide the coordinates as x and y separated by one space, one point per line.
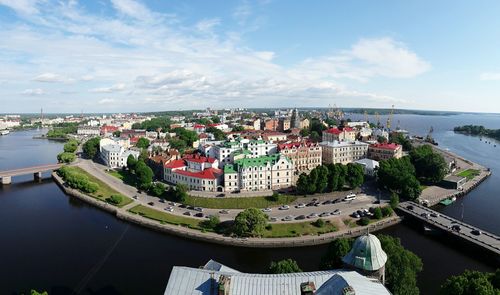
185 232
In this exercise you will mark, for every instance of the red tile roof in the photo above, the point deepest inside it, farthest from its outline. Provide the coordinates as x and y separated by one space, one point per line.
199 126
295 144
107 128
338 131
385 146
175 164
210 173
198 159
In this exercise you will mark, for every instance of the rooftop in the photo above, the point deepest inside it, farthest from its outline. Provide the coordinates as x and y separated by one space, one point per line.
209 173
386 146
338 131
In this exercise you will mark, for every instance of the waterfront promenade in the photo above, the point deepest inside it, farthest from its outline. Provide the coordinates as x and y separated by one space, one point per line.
464 231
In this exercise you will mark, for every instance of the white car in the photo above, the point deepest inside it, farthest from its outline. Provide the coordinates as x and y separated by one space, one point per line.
336 212
350 197
267 210
284 207
169 209
312 215
301 205
288 218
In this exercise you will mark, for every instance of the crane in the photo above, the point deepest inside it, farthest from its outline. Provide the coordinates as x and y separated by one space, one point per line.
389 119
377 116
366 116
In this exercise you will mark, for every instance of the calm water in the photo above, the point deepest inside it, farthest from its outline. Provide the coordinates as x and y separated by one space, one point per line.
62 245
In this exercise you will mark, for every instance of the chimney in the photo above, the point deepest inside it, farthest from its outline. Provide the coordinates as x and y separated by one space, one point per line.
224 285
307 288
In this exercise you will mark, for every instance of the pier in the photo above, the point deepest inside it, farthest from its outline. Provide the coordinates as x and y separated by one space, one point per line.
452 226
6 176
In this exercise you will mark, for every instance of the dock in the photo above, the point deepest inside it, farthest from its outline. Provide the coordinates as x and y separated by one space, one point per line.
484 240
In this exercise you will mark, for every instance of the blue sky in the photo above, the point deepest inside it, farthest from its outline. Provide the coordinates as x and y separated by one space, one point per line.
132 55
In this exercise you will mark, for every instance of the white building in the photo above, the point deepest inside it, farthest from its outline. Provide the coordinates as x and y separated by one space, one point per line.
115 156
87 130
369 166
262 173
343 152
252 148
198 173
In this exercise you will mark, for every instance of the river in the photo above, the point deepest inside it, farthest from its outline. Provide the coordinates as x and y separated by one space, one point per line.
55 243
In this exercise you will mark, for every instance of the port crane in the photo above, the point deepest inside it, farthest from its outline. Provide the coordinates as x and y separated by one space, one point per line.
389 119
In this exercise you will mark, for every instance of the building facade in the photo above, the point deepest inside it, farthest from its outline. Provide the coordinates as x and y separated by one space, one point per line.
343 152
87 130
384 151
196 172
305 156
339 134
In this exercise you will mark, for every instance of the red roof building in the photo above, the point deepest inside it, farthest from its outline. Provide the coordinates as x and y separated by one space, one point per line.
339 134
384 151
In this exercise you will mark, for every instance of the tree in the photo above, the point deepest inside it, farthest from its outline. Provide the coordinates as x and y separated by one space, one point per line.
315 136
143 143
35 292
469 283
186 135
250 222
398 175
377 213
179 194
364 221
238 128
284 266
115 199
158 189
215 119
71 146
429 165
303 185
211 223
117 133
218 134
401 268
144 175
91 147
319 223
131 162
66 157
337 249
304 132
401 140
394 200
321 178
387 211
355 175
381 139
177 144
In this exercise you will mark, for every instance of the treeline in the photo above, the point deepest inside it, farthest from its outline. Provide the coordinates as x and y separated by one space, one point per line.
472 282
330 177
77 180
403 176
62 130
68 155
478 130
155 124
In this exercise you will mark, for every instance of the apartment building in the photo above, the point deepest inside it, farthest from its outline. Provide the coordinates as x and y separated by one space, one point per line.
343 152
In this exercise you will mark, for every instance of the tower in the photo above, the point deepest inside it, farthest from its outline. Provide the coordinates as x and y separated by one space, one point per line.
367 257
295 121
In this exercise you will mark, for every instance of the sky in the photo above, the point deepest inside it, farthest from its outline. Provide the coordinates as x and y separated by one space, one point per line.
159 55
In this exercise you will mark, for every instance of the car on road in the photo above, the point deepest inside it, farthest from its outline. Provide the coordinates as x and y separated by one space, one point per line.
301 205
162 201
336 212
355 215
350 197
135 197
324 214
224 211
284 207
190 207
173 204
273 219
267 210
187 213
425 215
288 218
409 207
476 232
199 214
327 202
456 227
300 217
434 214
199 209
151 204
313 215
221 195
310 204
169 209
182 206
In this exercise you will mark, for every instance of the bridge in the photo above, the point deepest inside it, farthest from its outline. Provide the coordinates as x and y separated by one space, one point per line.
7 175
459 229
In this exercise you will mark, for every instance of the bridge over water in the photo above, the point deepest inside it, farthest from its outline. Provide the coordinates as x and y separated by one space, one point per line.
459 229
37 171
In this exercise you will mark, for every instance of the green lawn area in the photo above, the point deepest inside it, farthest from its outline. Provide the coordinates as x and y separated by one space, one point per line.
469 173
238 203
283 230
104 190
125 176
165 217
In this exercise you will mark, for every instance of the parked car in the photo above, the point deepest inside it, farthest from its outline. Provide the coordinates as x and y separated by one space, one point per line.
288 218
324 214
187 213
182 206
224 211
273 219
355 215
199 214
300 217
350 197
221 195
433 214
336 212
162 201
267 210
409 207
476 232
456 227
199 209
425 215
284 207
135 197
169 209
313 215
301 205
327 202
173 204
151 204
190 207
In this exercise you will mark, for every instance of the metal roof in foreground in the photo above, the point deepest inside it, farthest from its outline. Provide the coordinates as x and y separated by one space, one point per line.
194 281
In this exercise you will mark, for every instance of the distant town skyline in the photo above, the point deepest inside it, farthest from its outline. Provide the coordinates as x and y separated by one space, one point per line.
145 56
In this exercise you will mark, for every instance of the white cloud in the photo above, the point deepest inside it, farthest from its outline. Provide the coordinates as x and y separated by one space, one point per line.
25 7
34 92
242 12
87 78
50 77
107 101
113 88
207 25
489 76
132 8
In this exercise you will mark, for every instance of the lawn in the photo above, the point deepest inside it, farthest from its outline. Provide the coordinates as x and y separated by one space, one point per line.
165 217
296 229
125 176
238 203
469 173
104 190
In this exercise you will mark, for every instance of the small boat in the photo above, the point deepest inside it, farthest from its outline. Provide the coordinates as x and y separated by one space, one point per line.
4 132
447 202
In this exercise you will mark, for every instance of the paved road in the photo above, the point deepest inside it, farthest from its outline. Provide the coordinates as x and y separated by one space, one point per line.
362 201
484 239
28 170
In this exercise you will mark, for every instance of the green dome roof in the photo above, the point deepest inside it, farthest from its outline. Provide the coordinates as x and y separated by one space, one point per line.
366 254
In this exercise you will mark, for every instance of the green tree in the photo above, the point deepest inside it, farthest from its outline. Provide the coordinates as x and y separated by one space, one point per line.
215 119
401 268
71 146
143 143
303 184
186 135
469 283
131 162
430 166
377 213
284 266
387 211
304 132
66 157
157 189
315 136
238 128
35 292
355 175
218 134
91 147
398 175
211 223
364 221
117 133
401 140
250 222
178 144
337 249
115 199
180 192
321 178
144 175
394 200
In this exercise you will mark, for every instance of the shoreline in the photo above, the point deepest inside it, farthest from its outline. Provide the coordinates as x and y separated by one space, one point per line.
185 232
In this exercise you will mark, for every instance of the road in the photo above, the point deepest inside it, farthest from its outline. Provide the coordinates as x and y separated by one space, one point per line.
362 201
